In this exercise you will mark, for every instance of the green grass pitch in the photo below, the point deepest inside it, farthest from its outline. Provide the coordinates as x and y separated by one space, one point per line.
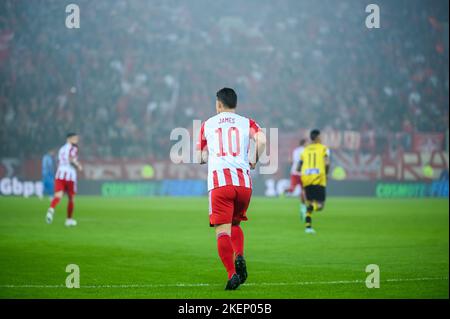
164 248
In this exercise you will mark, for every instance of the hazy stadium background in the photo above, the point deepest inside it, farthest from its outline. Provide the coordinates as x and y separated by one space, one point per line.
137 69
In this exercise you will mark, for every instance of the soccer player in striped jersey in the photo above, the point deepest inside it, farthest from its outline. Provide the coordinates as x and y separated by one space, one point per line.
224 144
66 178
295 177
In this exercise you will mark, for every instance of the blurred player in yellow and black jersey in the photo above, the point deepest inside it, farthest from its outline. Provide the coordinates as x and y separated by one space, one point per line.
314 166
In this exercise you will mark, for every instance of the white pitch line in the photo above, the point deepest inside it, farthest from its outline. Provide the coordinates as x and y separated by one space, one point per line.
296 283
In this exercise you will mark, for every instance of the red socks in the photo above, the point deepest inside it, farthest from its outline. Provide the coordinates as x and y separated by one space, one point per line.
54 202
70 208
237 240
226 253
70 205
229 247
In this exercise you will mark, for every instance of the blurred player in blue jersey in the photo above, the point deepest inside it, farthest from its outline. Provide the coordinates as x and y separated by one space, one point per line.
48 172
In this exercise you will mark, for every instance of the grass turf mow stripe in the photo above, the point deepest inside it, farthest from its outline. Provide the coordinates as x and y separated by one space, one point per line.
337 282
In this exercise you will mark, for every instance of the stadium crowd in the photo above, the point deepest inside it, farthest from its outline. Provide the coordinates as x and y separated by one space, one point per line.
137 69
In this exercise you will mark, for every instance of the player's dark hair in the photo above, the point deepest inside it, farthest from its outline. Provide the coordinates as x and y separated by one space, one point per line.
302 142
71 134
314 134
228 97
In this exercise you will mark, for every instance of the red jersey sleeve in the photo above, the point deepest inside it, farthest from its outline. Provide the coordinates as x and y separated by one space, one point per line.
202 142
254 128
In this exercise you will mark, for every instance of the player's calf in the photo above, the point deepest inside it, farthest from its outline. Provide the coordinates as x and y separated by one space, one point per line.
70 206
51 210
320 206
308 219
237 240
315 206
225 248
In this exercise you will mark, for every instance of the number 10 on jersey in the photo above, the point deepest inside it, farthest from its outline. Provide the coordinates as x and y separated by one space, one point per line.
234 147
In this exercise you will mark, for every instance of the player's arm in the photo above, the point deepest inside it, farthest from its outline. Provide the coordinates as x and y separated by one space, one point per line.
299 166
76 163
327 161
201 152
73 159
300 163
202 157
260 144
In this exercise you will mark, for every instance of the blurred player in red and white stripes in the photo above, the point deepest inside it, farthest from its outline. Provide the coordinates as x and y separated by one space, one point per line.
224 143
295 176
66 178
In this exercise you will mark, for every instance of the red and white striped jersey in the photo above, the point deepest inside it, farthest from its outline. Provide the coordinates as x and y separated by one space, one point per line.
66 171
227 139
296 154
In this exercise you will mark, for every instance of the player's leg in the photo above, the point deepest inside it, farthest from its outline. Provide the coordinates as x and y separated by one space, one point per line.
221 216
70 206
320 196
226 254
303 206
309 194
59 192
241 203
292 185
237 235
316 202
71 191
237 240
318 206
225 247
